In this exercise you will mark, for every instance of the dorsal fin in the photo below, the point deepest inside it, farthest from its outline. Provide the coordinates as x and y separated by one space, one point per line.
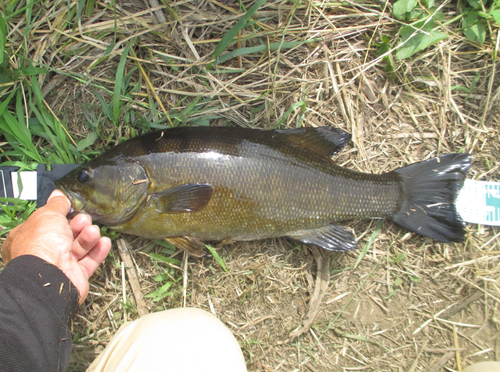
324 140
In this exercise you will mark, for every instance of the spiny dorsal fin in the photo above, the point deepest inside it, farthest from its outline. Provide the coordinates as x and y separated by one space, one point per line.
324 140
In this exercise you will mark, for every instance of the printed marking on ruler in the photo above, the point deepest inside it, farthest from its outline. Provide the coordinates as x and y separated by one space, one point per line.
479 202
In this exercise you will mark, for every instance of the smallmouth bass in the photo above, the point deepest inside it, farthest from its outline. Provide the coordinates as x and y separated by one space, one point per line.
191 184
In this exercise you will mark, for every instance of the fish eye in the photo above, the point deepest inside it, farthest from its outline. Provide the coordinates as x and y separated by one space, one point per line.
83 176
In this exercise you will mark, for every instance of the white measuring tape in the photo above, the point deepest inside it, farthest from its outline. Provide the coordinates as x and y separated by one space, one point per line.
479 202
29 182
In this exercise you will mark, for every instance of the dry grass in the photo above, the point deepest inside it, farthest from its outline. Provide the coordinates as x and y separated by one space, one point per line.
403 307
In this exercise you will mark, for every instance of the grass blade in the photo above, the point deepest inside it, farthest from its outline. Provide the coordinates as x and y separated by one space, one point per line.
118 85
53 128
28 71
3 105
3 37
161 258
161 292
19 133
80 6
219 260
289 111
105 107
28 18
229 37
86 142
260 49
359 338
90 5
369 243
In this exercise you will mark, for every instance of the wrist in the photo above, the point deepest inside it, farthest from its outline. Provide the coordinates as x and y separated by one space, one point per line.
64 262
43 280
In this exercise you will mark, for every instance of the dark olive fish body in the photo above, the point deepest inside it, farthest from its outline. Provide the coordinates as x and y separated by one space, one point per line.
242 184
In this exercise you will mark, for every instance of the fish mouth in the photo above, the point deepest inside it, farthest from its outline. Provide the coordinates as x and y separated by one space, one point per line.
78 202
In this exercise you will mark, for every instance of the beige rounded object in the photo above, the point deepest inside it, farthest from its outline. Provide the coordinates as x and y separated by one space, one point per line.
483 367
174 340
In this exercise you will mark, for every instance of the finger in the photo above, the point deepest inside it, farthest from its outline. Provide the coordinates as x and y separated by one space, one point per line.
79 222
96 256
86 241
58 202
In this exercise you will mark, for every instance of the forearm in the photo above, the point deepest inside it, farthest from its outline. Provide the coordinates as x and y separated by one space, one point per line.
36 305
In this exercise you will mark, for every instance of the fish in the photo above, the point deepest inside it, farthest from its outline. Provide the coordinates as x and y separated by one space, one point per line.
193 184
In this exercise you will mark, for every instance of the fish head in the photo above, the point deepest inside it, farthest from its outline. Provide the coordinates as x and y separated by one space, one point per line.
109 191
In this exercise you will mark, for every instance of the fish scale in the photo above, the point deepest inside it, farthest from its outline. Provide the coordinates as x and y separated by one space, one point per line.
273 198
245 184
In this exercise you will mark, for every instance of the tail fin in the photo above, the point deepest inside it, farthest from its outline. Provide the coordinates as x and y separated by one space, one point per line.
429 191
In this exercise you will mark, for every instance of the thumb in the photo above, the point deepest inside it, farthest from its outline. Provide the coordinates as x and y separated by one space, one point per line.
58 202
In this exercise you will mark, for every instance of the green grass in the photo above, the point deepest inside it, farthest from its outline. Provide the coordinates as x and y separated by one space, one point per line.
229 37
14 213
216 256
422 24
169 277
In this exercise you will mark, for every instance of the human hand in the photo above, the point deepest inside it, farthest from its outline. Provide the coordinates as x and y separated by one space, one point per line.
75 247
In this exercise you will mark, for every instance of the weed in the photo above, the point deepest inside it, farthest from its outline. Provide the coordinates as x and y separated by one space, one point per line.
217 258
14 212
231 34
420 33
167 277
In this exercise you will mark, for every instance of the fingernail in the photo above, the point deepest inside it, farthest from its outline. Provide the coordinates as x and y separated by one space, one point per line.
55 193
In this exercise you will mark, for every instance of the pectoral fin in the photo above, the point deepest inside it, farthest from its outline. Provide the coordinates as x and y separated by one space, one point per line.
331 237
191 245
190 197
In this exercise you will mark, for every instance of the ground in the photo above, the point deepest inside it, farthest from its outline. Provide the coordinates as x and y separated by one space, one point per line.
401 302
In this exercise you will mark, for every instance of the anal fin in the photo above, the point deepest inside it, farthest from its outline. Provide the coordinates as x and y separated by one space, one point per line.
332 237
